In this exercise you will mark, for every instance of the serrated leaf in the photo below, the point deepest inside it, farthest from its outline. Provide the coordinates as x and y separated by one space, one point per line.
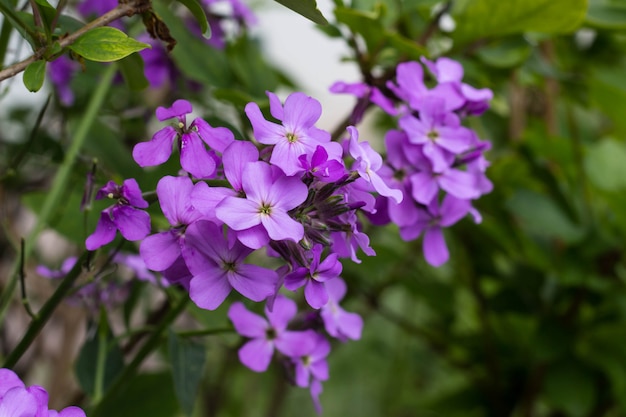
34 75
306 8
198 12
492 18
106 44
187 359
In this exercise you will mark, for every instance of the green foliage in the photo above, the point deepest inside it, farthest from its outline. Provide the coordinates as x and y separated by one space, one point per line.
34 75
306 8
106 44
187 359
195 7
477 19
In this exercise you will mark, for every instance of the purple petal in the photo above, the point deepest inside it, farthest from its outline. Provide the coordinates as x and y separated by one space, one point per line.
253 282
175 199
257 179
8 380
301 111
18 402
283 311
209 289
235 158
276 107
247 323
104 233
287 193
295 344
238 213
131 191
435 249
460 184
194 158
265 132
159 251
424 186
383 189
71 412
257 354
280 226
453 209
178 109
157 150
205 199
218 138
302 373
132 223
255 237
315 294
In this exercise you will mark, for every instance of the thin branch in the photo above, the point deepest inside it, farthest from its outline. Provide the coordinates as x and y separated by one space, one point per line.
22 279
126 9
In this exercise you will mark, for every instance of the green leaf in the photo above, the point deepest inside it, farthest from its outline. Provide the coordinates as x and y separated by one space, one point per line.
132 68
18 21
187 359
148 394
197 11
505 53
607 14
34 75
570 387
368 24
607 89
306 8
106 44
88 357
477 19
605 164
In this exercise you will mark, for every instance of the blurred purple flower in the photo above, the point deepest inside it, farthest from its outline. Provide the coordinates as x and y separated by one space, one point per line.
61 72
339 323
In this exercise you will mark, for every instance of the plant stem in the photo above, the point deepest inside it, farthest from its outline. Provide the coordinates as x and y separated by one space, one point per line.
103 347
46 312
59 185
126 9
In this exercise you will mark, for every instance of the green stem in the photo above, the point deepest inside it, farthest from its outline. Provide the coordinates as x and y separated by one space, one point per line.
205 332
46 312
59 185
103 329
5 34
153 342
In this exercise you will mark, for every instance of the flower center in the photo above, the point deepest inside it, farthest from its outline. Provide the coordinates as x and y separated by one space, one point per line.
433 135
229 266
265 209
270 334
291 137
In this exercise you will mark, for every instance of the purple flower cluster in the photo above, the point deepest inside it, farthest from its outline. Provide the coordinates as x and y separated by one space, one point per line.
436 162
17 400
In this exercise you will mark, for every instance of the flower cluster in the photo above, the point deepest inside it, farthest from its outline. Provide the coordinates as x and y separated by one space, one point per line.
277 213
20 401
435 161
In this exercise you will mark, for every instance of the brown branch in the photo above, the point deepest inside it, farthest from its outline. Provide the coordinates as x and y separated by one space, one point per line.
126 9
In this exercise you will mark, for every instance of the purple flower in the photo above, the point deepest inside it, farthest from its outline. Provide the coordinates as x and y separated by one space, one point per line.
338 322
268 334
61 72
136 264
365 94
125 216
65 268
194 157
217 268
17 400
315 277
296 136
460 184
367 163
263 214
345 244
161 250
321 167
159 68
312 364
439 132
432 223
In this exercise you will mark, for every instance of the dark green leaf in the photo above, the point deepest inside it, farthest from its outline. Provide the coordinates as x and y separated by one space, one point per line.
34 75
132 69
148 394
306 8
106 44
187 359
477 19
197 11
88 357
570 387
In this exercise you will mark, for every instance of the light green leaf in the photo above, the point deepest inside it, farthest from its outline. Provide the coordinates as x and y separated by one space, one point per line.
306 8
477 19
197 11
607 14
106 44
34 75
187 359
605 164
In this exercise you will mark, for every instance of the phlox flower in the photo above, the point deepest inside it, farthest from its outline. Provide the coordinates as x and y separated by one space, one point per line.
17 400
315 276
312 364
263 213
217 268
339 323
270 334
297 134
125 215
194 157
